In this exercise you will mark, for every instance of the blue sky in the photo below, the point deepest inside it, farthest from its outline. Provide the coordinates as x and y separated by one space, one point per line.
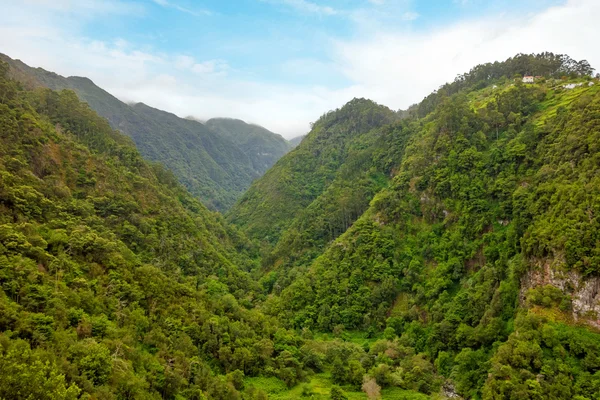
283 63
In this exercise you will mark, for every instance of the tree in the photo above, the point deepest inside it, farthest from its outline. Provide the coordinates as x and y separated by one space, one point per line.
371 388
337 393
25 375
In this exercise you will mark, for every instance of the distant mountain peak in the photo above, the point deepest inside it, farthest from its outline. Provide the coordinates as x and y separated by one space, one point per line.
216 165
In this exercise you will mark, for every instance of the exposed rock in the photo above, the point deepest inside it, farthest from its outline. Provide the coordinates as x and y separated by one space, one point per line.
449 392
584 292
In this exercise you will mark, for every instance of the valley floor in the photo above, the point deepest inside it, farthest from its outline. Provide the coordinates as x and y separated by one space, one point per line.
319 388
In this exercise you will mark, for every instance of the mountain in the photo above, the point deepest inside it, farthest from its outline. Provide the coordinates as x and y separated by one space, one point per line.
217 166
262 146
115 282
298 179
449 252
296 141
477 258
111 273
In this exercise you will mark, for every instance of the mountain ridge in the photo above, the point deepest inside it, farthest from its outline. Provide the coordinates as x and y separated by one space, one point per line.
217 176
482 242
292 190
450 251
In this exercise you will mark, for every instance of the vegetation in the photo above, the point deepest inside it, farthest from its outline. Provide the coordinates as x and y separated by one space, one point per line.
296 141
491 182
546 65
215 162
115 282
273 202
391 255
262 146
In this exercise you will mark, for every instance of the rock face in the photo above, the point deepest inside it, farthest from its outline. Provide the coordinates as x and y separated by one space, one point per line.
584 292
449 392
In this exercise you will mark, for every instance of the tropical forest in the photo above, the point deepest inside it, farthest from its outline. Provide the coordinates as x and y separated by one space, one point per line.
446 250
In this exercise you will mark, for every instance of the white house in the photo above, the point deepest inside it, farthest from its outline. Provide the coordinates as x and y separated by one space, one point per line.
572 85
528 79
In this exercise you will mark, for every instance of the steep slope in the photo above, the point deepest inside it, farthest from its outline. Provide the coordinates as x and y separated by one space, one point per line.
114 281
262 146
364 153
214 167
296 141
273 201
473 271
367 170
209 165
481 258
478 254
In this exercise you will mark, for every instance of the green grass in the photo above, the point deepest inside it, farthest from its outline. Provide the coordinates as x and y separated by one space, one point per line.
276 388
563 97
320 386
401 394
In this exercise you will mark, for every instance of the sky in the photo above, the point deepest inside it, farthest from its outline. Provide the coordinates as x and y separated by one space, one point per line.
283 63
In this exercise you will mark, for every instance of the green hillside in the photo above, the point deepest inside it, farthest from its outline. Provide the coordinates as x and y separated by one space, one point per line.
447 251
262 146
217 166
114 281
273 201
479 259
296 141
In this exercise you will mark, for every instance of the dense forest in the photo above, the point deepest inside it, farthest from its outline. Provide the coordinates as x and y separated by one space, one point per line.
116 282
472 234
449 251
262 146
216 161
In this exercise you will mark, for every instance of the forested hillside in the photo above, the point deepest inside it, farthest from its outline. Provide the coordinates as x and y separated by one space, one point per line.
296 141
115 282
216 165
262 146
446 251
274 201
478 261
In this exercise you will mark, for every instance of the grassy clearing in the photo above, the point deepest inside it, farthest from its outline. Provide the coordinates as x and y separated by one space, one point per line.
360 338
319 387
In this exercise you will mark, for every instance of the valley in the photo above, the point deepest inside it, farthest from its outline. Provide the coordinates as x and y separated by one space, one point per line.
445 251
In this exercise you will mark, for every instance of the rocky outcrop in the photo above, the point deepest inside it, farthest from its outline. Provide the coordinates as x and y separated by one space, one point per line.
449 392
584 291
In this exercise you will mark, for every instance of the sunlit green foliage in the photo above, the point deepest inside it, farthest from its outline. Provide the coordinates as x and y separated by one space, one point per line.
114 281
394 254
216 163
490 182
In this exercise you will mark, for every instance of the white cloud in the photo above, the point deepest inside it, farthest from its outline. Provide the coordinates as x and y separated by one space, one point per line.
393 67
184 62
305 6
210 67
169 4
410 16
400 68
86 6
